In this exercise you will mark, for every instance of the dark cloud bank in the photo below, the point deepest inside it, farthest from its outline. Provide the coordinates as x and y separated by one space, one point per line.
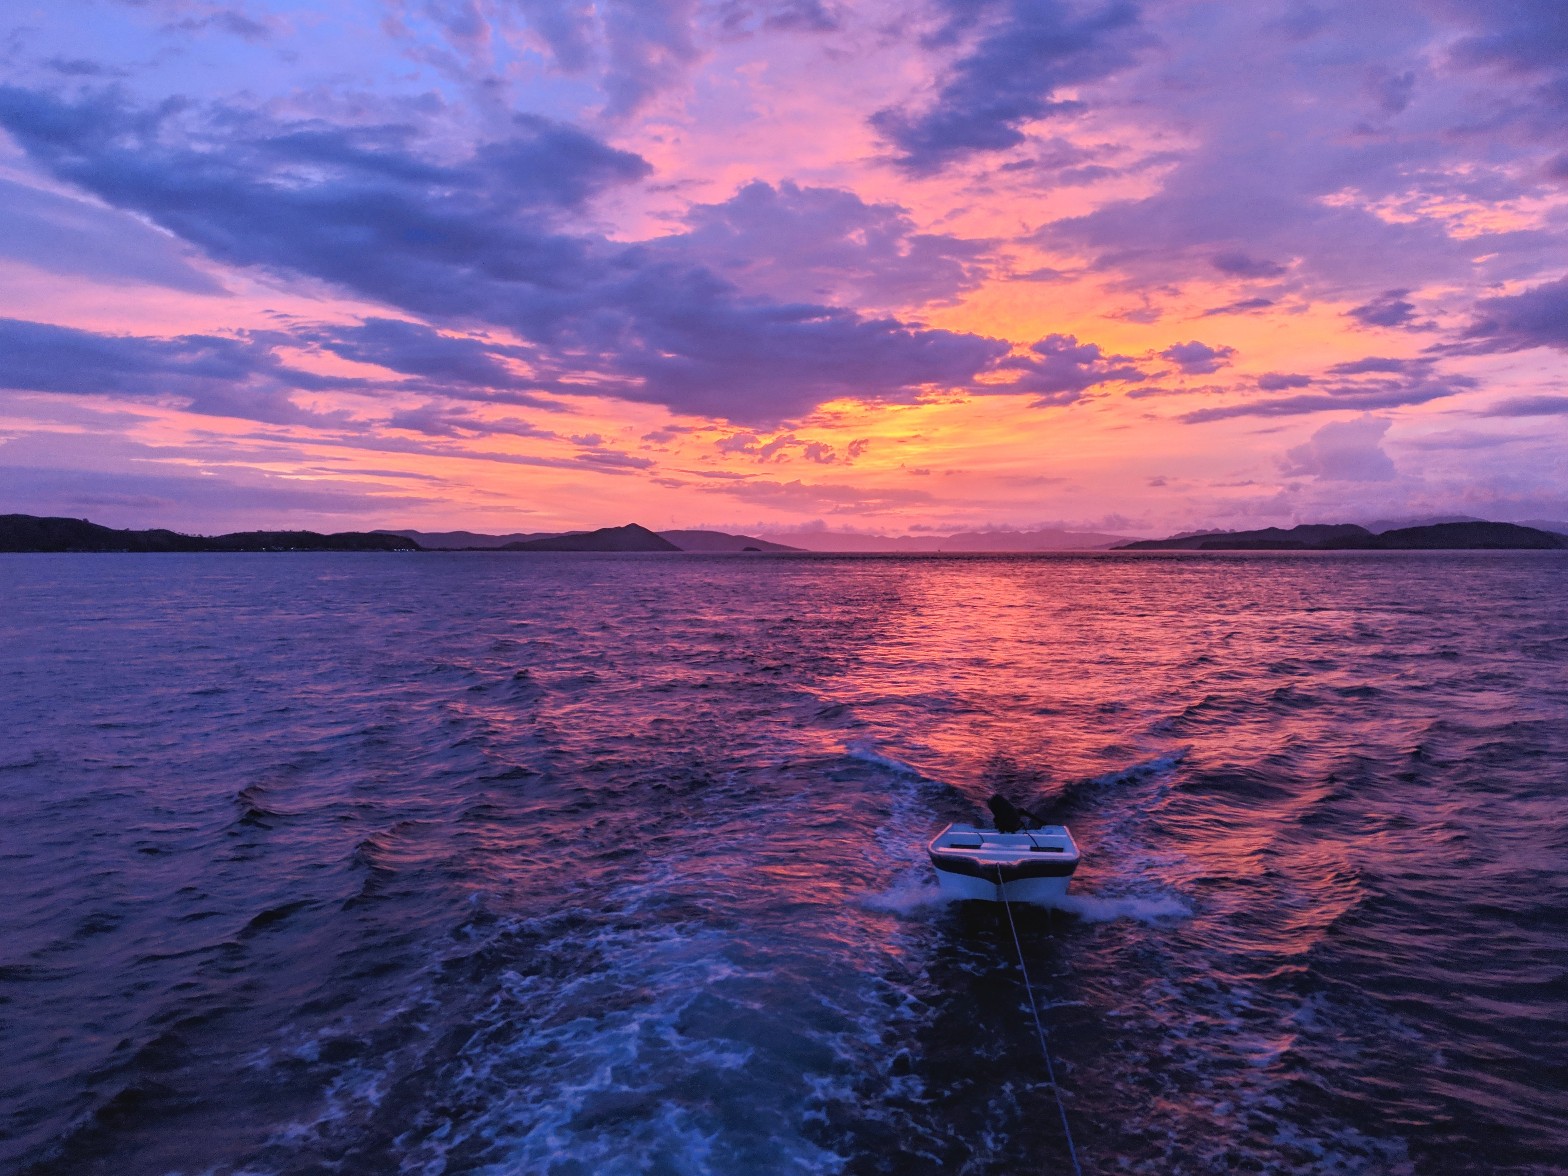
487 241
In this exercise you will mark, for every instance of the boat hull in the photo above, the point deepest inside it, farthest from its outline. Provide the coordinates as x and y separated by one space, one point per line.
1045 891
988 866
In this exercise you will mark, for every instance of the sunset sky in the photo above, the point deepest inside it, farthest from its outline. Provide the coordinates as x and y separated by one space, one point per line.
770 265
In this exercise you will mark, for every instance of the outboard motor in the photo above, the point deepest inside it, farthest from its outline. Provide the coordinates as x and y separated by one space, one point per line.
1009 817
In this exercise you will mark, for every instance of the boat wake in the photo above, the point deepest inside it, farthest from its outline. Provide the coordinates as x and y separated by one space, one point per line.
1094 908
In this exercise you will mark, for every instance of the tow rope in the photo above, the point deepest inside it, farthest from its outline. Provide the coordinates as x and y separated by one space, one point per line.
1039 1027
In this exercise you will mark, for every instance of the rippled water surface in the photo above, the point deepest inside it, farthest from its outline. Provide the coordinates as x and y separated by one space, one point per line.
578 864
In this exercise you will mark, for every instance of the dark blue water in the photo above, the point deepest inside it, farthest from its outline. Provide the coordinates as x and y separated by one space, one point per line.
575 864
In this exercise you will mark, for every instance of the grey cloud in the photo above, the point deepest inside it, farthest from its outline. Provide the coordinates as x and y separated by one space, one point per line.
1019 54
1343 451
62 235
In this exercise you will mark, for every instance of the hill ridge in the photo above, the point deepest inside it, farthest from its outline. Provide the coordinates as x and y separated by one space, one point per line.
1477 535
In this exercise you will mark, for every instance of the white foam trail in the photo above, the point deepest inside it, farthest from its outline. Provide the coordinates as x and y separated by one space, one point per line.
908 896
1093 908
865 751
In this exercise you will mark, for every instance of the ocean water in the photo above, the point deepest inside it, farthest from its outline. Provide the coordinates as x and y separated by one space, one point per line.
597 864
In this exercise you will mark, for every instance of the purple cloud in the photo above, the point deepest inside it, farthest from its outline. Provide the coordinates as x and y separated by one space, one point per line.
735 17
1279 381
1380 363
1019 54
418 350
1537 317
827 245
1198 359
1417 386
62 235
480 240
1263 181
1060 368
637 48
1391 91
1244 306
216 375
437 419
1388 309
1238 264
1530 406
1518 36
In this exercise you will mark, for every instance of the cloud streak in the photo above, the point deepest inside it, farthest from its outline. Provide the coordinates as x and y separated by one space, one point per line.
1014 59
213 375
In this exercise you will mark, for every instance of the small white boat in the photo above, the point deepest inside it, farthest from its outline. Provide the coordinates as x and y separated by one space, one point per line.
1034 865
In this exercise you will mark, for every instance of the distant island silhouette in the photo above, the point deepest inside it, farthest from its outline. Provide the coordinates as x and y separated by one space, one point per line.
32 533
19 532
631 537
1466 536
